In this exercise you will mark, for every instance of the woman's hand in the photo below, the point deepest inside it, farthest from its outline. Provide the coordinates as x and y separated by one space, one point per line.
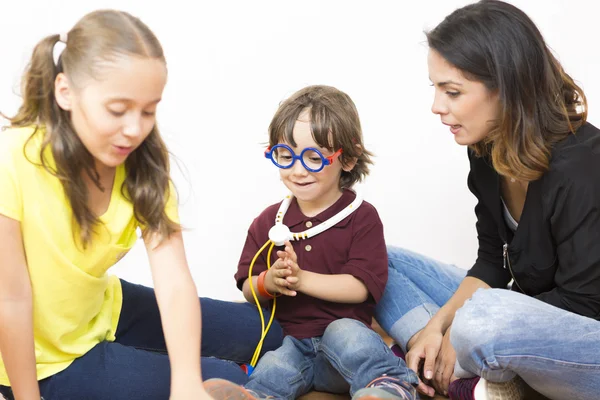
444 366
424 352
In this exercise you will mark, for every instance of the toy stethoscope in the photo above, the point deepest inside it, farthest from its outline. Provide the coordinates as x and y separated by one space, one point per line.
278 235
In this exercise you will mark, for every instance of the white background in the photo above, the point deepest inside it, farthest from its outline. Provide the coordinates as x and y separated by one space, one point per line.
232 62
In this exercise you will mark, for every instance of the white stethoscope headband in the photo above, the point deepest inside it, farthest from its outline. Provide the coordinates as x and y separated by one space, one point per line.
279 233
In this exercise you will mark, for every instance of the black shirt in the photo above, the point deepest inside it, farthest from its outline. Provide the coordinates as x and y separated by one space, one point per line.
554 255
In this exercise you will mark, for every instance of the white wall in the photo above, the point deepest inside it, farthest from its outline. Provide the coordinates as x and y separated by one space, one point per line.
232 62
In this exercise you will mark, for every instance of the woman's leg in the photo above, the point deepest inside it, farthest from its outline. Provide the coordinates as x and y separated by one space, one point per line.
498 334
416 289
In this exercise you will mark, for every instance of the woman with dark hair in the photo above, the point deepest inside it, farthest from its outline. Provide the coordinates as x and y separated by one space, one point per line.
535 170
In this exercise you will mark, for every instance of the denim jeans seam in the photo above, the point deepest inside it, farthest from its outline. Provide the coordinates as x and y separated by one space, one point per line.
423 301
300 375
151 349
424 272
557 362
334 359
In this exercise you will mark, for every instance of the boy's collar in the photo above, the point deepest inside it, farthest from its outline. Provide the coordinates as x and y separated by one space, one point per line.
294 216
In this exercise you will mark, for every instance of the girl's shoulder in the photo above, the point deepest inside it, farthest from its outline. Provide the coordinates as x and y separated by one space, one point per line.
14 139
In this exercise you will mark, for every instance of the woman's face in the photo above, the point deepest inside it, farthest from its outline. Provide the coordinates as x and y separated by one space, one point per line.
466 106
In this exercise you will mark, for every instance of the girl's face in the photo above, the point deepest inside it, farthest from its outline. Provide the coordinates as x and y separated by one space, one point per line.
115 112
466 106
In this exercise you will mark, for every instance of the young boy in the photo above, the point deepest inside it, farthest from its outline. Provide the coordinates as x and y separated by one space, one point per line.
328 284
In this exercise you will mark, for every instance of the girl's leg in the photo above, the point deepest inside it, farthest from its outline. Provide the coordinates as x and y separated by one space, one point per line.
230 331
117 372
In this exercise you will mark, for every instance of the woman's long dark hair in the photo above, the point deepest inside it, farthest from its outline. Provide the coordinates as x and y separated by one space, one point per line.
499 45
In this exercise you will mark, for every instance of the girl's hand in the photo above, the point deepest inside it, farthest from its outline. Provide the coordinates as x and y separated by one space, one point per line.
191 391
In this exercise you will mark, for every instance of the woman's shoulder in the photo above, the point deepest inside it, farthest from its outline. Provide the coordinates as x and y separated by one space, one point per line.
576 159
577 152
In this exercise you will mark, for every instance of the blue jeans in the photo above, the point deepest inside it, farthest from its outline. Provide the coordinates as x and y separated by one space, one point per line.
347 357
498 333
136 365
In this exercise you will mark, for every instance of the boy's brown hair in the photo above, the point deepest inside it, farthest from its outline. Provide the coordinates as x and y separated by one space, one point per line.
334 125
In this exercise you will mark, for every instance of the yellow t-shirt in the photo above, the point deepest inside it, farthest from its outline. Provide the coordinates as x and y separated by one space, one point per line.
76 304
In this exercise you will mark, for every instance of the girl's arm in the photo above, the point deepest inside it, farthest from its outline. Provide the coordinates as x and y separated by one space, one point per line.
180 313
16 313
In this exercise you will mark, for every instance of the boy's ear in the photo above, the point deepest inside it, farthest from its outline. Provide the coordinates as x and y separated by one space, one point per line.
63 93
348 163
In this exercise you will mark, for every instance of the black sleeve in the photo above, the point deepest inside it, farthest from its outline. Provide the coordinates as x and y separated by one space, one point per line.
575 222
489 266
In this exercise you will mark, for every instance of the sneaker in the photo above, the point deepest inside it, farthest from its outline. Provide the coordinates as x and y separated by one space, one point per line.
387 388
480 389
221 389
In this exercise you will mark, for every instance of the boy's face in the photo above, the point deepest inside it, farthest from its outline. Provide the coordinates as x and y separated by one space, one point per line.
315 191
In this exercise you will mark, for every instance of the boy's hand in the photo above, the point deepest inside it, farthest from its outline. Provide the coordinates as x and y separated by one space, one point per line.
275 280
290 260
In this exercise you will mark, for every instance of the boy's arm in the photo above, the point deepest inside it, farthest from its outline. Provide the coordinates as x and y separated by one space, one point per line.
273 276
365 272
249 257
338 288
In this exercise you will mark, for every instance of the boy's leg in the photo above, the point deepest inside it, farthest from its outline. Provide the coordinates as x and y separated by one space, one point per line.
499 334
360 355
230 330
285 373
416 289
117 372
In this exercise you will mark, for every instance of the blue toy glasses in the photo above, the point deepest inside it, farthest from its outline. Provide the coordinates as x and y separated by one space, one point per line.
312 159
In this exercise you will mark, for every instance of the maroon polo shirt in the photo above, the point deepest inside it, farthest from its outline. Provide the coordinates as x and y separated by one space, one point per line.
354 246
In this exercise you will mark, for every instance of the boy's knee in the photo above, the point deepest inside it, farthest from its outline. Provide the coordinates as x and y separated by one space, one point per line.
343 325
346 333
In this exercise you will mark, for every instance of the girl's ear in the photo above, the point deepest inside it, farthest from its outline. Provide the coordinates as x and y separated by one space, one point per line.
63 92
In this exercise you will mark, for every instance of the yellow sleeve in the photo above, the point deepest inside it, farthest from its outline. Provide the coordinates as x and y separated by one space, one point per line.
11 204
172 205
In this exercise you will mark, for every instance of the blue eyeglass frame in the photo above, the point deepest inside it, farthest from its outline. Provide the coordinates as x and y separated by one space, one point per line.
326 160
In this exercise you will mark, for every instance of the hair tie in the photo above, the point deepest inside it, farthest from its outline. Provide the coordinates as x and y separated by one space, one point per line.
57 51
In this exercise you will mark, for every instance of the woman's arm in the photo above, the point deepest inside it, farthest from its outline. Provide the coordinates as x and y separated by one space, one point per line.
180 312
16 313
444 317
575 224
